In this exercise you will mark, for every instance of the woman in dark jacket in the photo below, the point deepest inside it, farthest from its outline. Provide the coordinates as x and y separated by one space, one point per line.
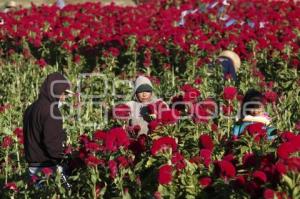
43 127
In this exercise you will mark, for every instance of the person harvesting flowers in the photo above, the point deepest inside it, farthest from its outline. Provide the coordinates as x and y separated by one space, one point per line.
44 136
140 111
253 118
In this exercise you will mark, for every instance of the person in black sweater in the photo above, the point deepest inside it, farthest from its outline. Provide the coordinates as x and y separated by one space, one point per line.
43 126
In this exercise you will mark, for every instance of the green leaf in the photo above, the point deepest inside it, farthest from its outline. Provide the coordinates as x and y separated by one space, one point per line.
94 179
288 181
296 192
150 162
7 131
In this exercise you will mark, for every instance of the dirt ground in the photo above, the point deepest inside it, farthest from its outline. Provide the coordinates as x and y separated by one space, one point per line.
26 3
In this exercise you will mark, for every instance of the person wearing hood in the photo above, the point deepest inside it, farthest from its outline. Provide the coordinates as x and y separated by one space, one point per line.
143 96
43 126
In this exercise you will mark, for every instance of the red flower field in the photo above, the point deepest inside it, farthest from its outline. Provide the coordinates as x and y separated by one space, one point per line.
191 150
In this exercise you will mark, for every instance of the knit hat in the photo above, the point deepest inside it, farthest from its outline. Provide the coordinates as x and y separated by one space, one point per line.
233 57
142 84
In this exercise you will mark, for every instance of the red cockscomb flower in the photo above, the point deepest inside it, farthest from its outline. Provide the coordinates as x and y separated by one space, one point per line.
200 114
7 141
259 177
163 143
287 136
113 169
115 138
153 125
47 171
134 129
280 168
140 145
42 63
205 181
152 109
205 156
115 52
121 111
190 93
206 142
293 164
165 174
257 130
269 194
198 80
285 149
214 127
178 161
11 186
84 139
77 59
240 180
169 116
33 179
249 160
227 110
270 96
225 169
19 133
123 161
252 188
92 146
93 161
142 141
99 135
229 93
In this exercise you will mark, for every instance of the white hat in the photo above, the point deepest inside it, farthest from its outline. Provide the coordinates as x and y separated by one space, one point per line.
233 57
11 4
142 82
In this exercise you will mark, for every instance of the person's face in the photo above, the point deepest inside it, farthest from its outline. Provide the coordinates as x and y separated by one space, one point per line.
62 98
144 96
257 111
64 95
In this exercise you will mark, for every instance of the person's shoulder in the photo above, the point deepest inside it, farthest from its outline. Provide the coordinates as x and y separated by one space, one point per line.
160 100
239 126
131 103
36 110
27 110
29 107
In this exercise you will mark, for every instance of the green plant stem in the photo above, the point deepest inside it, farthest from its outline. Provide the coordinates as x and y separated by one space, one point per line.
228 122
94 191
96 173
149 71
18 159
6 165
173 77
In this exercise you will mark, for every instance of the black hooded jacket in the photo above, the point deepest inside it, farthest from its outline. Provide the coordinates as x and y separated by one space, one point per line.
42 124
